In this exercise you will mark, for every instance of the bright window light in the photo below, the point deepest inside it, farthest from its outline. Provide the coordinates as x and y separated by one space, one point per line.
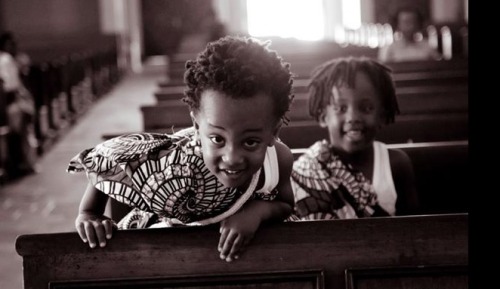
301 19
351 11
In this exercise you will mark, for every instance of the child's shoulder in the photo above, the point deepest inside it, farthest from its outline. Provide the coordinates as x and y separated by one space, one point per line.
399 159
133 145
283 152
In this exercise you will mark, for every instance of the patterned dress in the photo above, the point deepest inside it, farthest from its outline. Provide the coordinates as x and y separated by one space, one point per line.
326 188
163 178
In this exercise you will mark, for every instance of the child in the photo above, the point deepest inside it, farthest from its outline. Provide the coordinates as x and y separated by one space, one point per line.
351 175
408 45
227 168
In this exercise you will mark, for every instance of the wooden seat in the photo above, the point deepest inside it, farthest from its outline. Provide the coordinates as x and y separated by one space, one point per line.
315 254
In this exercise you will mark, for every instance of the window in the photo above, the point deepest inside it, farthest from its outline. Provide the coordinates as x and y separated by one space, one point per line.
301 19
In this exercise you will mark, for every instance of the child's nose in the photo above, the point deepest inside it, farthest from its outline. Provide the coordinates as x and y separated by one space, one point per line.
352 114
232 156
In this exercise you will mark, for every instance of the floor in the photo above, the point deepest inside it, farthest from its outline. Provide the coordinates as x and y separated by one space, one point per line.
47 202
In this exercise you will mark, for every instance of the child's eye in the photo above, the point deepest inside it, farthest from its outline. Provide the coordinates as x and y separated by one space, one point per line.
252 143
217 139
339 108
367 108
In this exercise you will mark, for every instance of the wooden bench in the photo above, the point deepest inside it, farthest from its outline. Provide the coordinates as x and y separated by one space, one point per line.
303 68
416 251
441 172
448 78
442 65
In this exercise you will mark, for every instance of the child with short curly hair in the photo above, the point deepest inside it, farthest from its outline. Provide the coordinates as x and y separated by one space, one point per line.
229 168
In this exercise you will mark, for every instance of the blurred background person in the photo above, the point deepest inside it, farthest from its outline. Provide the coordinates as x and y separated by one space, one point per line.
20 109
409 43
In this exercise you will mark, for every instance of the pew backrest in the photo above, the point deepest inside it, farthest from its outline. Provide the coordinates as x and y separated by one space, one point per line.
314 254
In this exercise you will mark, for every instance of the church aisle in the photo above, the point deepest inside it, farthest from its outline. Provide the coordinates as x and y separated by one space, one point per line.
47 202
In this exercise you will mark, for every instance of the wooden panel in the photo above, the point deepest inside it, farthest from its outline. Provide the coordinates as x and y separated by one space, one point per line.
155 117
180 252
442 277
289 280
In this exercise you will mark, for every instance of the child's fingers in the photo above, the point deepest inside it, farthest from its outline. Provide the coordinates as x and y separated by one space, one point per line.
100 233
228 244
222 240
90 233
235 249
80 228
108 228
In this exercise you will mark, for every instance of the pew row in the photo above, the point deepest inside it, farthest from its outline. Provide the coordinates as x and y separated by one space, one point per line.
441 174
303 63
429 249
401 80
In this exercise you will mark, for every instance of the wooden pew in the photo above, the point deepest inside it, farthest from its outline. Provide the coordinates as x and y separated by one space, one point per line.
441 173
448 78
441 65
409 252
302 55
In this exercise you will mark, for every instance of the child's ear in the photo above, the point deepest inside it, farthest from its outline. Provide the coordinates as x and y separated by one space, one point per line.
322 119
193 119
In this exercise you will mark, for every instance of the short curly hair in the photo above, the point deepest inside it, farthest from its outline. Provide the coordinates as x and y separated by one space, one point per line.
342 71
239 67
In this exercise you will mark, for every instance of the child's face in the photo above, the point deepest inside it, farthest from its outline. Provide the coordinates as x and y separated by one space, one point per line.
235 134
353 116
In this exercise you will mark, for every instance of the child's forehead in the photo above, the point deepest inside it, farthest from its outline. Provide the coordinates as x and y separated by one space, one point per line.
221 108
358 78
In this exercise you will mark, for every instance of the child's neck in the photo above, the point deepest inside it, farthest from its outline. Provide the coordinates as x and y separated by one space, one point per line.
361 160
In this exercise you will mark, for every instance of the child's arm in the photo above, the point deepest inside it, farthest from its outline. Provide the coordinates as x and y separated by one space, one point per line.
404 180
91 224
238 230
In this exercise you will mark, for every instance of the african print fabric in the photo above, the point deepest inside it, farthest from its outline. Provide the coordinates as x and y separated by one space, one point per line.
163 177
326 188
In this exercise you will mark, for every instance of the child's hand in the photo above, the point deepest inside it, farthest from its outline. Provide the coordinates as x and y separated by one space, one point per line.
94 228
236 232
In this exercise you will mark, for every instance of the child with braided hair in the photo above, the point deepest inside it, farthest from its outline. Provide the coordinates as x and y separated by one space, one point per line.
229 168
351 175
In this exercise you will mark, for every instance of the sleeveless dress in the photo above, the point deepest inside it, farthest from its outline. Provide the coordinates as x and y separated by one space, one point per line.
164 179
326 188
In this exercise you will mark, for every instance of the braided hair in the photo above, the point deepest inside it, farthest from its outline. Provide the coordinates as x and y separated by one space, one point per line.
342 72
239 67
